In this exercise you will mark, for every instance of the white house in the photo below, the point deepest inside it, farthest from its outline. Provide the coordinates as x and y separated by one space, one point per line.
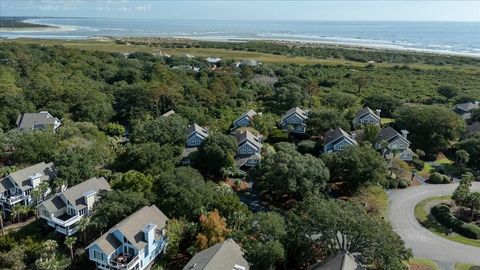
367 116
249 149
245 119
17 187
389 141
336 140
37 121
196 135
133 243
65 209
296 118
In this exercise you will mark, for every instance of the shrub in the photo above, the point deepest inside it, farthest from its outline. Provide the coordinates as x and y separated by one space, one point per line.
418 163
307 147
403 183
446 179
436 178
277 135
114 129
443 215
392 183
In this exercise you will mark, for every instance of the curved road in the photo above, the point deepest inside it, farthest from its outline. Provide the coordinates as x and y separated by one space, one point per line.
424 243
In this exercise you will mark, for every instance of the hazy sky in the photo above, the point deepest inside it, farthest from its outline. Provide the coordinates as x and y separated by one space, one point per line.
387 10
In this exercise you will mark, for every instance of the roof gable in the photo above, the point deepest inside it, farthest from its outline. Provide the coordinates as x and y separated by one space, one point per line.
366 111
248 114
75 194
224 255
297 111
334 135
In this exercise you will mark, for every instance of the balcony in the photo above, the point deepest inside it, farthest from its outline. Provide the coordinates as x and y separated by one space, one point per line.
124 261
13 199
65 220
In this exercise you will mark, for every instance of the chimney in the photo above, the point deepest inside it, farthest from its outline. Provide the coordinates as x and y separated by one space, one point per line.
354 135
378 111
149 234
404 133
35 180
89 199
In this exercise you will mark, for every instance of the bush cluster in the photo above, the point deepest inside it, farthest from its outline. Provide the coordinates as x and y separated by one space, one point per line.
437 178
443 215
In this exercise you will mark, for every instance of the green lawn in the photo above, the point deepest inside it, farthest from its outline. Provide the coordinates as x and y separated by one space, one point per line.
109 45
385 120
428 222
423 262
463 266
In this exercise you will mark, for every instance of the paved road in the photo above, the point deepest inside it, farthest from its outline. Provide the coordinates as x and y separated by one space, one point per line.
423 242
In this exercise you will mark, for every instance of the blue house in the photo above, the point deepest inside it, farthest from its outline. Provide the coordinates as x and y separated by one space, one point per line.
296 118
245 119
133 243
335 140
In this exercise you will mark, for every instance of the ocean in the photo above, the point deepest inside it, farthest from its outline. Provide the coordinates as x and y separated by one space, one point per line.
442 37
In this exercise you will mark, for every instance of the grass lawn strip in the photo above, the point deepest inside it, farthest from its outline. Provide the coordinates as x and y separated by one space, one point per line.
423 264
428 222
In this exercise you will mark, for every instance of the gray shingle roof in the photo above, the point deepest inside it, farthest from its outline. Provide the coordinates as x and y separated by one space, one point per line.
194 128
220 256
5 184
76 193
466 107
248 136
22 177
295 110
341 261
473 128
388 134
366 111
251 113
35 120
131 227
53 205
333 135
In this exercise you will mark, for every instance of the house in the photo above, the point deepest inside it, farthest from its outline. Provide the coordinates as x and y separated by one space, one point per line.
248 62
133 243
389 141
342 261
472 129
296 118
465 109
196 135
17 187
249 149
213 60
167 114
37 121
335 140
227 255
65 209
245 119
367 116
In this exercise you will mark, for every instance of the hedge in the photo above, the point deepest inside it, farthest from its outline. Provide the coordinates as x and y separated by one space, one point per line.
436 178
443 215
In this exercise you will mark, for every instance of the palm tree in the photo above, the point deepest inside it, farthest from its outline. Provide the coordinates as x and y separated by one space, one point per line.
16 213
1 222
83 226
69 242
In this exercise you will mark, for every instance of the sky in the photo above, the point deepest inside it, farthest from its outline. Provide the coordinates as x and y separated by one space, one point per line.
320 10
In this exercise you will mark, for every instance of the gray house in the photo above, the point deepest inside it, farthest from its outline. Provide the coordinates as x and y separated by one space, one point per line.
245 119
296 118
249 149
367 116
223 256
342 261
133 243
390 142
65 209
37 121
336 140
472 129
17 187
465 109
196 135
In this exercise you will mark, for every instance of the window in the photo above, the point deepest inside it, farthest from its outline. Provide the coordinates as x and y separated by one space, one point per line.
81 212
98 255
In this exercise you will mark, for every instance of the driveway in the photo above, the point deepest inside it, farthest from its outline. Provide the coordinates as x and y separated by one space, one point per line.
424 243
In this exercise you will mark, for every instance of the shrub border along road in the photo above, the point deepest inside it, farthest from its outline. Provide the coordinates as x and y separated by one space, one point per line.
427 221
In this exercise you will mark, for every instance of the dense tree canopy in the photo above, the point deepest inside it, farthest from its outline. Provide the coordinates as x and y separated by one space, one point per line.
357 166
216 152
286 171
320 121
432 128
